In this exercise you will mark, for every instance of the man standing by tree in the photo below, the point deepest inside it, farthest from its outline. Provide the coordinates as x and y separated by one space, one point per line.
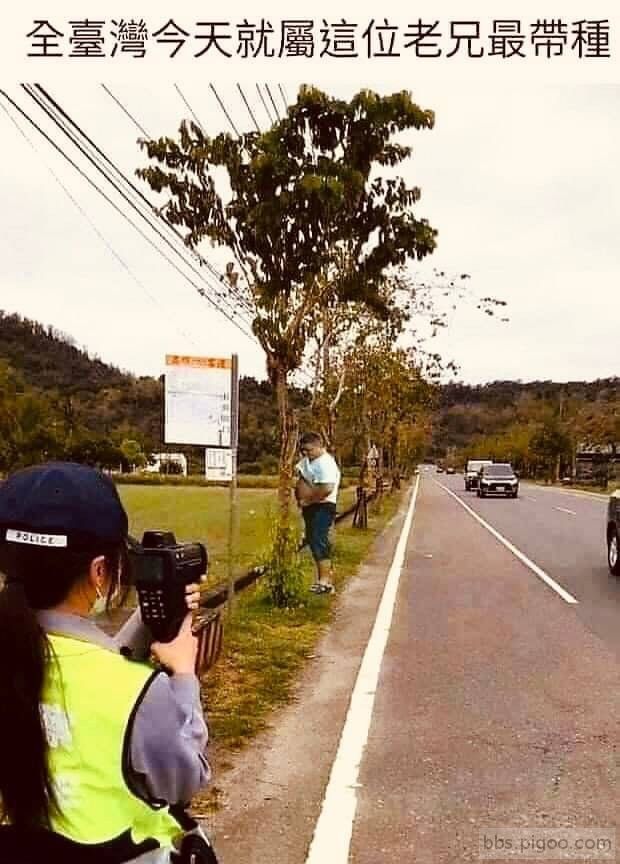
316 492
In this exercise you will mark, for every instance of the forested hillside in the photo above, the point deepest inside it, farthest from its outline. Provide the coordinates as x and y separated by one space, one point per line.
57 401
540 426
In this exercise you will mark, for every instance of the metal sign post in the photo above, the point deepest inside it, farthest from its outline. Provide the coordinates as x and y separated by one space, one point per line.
233 525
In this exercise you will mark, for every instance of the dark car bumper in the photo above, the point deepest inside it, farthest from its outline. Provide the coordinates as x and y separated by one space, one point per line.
499 488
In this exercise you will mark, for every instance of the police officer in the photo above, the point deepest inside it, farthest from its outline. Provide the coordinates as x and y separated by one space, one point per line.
94 748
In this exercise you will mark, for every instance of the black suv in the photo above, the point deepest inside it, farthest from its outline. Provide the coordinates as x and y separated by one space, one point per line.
498 479
613 533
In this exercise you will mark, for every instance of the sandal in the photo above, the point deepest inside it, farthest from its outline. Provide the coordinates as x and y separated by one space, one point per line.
323 588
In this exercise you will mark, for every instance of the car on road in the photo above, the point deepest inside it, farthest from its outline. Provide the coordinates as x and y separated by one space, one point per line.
472 470
498 478
439 469
450 469
613 533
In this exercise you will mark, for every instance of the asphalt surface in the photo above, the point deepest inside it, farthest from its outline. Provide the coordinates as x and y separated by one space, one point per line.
562 532
497 704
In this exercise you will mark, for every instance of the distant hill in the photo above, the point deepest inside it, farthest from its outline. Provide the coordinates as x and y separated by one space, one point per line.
470 411
87 397
83 399
89 394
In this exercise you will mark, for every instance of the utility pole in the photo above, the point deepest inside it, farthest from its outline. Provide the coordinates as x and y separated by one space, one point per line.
233 521
558 458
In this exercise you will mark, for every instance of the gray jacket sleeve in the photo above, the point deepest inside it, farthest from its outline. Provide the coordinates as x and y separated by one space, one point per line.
168 739
134 635
169 733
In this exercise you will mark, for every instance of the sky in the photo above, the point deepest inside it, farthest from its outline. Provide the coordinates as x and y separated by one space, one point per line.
519 176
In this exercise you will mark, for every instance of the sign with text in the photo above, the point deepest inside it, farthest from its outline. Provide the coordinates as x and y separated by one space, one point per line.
200 407
219 463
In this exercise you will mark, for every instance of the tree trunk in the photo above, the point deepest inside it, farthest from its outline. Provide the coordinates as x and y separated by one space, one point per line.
288 443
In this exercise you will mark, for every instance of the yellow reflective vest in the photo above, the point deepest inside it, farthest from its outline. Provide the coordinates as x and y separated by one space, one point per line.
89 699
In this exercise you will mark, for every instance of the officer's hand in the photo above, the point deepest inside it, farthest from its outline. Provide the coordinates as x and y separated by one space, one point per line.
179 656
192 594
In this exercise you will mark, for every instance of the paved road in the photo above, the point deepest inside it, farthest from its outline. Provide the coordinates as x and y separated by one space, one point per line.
497 702
564 534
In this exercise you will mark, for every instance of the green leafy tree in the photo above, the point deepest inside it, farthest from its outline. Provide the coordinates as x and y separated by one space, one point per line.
387 402
309 217
132 452
548 445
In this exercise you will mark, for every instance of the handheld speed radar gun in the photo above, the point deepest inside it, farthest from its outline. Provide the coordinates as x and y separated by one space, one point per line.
162 569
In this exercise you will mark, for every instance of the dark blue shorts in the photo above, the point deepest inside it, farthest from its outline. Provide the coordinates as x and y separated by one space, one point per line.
318 519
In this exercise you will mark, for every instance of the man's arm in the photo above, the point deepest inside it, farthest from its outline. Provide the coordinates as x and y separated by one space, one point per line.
319 492
303 491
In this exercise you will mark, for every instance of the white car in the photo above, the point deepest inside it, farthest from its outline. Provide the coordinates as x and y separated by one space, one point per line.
472 469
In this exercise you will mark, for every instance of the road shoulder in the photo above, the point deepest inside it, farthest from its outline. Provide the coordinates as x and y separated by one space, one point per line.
271 797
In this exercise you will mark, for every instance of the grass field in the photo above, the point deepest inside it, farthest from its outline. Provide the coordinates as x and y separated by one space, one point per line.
202 513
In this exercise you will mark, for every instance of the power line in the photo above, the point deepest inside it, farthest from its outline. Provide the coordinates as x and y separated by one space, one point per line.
190 109
284 99
62 126
83 213
97 165
302 373
219 276
59 149
275 107
226 114
194 252
122 107
250 112
262 98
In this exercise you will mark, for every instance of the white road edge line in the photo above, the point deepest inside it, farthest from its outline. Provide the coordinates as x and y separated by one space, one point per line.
523 558
334 828
564 510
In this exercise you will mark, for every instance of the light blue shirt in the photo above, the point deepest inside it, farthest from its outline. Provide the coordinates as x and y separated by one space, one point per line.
323 469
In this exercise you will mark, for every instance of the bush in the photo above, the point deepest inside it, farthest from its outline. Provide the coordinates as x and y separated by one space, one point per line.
269 465
244 481
250 468
284 573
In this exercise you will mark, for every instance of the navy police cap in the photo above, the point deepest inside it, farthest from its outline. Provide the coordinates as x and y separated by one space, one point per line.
60 504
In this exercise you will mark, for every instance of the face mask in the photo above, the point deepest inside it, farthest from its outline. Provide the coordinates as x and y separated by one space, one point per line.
99 606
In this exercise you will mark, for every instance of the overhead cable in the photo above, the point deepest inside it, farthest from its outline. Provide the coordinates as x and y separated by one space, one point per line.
227 115
275 107
190 109
59 149
122 107
105 173
194 252
250 112
92 224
